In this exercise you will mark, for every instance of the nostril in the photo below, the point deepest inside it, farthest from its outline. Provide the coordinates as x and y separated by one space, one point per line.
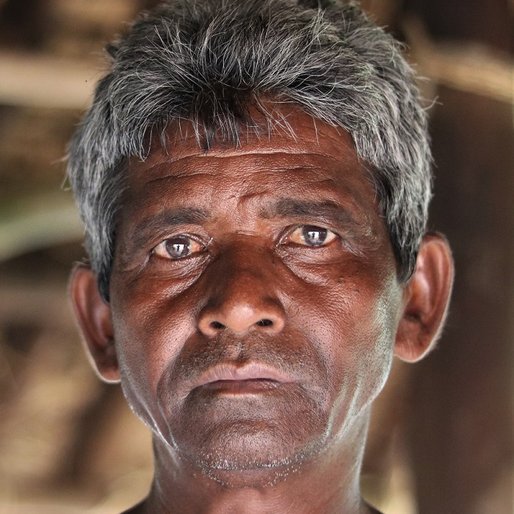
216 325
264 323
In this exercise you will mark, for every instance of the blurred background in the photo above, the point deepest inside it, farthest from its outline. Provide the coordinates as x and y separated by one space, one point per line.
441 440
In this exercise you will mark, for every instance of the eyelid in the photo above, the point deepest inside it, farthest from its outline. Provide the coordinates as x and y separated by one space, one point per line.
202 246
294 228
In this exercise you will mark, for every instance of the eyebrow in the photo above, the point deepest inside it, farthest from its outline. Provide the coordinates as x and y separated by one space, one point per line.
290 207
144 229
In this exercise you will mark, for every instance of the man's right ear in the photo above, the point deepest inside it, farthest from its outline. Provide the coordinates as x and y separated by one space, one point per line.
94 318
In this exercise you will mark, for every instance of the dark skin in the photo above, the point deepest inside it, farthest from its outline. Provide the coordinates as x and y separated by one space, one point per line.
254 313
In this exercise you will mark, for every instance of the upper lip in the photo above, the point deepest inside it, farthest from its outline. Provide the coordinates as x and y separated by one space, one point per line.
238 372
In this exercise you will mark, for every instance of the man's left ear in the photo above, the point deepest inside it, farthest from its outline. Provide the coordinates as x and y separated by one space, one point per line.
425 301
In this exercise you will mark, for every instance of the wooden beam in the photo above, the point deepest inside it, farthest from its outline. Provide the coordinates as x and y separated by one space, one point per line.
461 65
40 223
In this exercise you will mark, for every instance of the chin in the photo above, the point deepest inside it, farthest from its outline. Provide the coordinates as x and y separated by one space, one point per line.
252 457
246 454
258 478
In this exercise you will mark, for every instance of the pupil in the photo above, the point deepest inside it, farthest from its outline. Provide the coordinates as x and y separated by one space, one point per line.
178 248
314 236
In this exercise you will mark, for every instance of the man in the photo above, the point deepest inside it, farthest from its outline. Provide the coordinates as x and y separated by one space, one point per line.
254 180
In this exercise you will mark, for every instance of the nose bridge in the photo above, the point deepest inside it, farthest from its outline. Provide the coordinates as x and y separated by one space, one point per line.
244 265
243 292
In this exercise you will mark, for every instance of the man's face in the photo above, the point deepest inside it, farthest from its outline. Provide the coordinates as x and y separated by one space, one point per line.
254 296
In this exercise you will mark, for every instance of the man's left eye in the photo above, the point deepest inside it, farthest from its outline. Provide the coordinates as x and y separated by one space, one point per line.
178 247
311 235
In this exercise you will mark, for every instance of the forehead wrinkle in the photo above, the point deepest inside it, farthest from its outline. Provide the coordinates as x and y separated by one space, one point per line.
216 153
217 168
179 175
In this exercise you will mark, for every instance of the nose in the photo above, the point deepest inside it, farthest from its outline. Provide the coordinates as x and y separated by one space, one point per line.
242 299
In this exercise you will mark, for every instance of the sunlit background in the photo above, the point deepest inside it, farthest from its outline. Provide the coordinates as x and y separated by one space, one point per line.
441 441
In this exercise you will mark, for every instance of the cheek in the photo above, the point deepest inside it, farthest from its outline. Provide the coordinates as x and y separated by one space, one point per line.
353 326
149 331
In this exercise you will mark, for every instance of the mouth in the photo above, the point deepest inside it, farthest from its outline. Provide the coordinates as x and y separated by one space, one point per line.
250 378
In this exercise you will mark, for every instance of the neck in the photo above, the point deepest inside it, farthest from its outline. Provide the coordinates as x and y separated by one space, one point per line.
328 483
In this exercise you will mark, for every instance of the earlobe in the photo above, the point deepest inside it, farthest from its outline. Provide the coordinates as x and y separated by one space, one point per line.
94 318
426 299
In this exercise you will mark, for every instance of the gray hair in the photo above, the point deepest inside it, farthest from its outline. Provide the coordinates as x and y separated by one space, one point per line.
209 61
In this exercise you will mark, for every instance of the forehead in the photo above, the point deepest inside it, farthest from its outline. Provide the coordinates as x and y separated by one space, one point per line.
298 153
310 160
292 133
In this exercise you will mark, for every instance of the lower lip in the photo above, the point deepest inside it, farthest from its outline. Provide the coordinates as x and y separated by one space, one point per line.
236 387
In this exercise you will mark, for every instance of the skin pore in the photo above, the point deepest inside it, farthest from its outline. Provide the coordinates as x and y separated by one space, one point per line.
254 313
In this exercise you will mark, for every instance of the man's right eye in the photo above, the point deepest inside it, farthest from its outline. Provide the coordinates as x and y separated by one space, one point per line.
178 247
